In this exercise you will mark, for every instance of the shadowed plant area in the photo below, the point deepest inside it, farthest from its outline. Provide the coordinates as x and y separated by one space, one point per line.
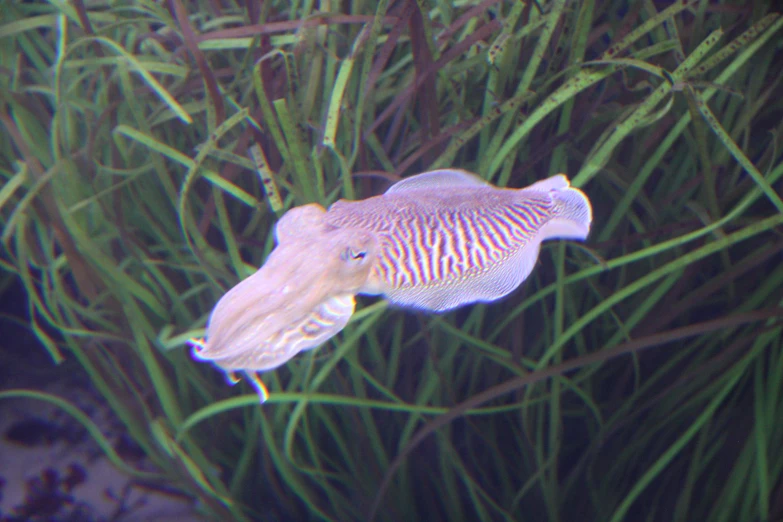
150 147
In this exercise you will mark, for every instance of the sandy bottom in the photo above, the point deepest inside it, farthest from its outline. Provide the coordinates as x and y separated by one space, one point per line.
52 470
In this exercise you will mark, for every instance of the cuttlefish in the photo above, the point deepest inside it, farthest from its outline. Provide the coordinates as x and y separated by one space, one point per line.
434 241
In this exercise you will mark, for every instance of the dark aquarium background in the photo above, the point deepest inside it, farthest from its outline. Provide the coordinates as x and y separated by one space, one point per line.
148 148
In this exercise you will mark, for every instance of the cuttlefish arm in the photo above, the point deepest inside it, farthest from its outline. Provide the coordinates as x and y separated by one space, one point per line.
301 296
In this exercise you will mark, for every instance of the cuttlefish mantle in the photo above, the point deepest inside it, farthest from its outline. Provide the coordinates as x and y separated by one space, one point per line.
434 241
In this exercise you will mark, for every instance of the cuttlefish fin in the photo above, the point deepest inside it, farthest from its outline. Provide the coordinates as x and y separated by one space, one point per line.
571 214
438 179
552 183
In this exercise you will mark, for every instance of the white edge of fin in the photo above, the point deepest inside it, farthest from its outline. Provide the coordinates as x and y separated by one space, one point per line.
438 179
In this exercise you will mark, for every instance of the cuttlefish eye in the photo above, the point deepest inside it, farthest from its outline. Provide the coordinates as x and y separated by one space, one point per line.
350 254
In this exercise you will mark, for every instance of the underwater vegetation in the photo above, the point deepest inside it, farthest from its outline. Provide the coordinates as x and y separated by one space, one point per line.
157 155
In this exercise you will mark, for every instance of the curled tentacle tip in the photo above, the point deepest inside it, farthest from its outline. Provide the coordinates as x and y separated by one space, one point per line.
232 378
197 342
255 380
197 345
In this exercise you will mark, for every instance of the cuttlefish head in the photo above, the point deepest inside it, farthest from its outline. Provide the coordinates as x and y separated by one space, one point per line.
302 295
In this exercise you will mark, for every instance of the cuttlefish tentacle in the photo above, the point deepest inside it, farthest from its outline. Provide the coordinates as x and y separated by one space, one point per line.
434 241
301 296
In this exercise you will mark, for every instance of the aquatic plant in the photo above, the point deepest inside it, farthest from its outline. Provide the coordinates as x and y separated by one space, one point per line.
151 146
